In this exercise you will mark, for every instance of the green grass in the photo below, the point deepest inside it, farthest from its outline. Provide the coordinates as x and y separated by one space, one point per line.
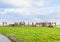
33 34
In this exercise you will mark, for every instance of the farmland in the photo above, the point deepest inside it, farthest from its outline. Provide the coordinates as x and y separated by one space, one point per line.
33 34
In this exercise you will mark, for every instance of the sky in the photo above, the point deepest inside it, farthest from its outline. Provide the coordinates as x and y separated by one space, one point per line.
30 11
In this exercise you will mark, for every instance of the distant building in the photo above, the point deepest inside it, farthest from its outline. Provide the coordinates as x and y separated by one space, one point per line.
4 23
46 24
39 24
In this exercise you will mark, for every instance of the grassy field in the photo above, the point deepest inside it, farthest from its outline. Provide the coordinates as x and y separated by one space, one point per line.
33 34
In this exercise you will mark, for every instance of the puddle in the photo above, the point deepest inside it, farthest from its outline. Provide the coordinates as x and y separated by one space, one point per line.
4 38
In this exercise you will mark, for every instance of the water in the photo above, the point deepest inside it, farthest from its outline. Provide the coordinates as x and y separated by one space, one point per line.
4 38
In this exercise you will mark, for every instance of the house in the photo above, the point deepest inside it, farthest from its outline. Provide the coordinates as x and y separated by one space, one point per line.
46 24
4 23
39 24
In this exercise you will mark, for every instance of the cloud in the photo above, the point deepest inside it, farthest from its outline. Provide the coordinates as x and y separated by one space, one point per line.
27 11
32 10
39 3
24 3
